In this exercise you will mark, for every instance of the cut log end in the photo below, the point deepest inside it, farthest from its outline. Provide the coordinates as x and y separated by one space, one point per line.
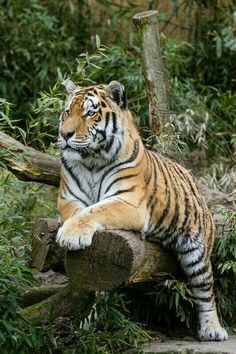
145 15
116 258
107 263
46 253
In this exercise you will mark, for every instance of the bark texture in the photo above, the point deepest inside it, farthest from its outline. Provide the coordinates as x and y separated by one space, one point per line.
62 303
27 163
46 254
115 258
153 68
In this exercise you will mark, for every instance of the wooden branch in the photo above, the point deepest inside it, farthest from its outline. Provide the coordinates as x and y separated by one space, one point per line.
27 163
153 68
62 303
38 293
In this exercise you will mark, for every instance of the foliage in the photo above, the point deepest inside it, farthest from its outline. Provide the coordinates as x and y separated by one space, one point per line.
225 269
41 46
16 335
108 328
19 203
220 176
35 40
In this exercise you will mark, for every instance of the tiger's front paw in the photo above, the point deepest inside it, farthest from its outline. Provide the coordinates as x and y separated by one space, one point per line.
213 333
76 234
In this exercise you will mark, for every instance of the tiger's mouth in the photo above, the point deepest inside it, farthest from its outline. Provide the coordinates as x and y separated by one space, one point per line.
85 150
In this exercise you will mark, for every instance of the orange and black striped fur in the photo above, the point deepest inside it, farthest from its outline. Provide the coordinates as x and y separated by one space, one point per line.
110 181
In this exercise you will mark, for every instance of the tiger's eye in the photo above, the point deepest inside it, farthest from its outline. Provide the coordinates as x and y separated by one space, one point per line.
90 113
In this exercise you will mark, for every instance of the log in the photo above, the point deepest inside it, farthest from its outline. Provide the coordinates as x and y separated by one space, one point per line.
62 303
153 68
38 293
28 164
115 258
46 254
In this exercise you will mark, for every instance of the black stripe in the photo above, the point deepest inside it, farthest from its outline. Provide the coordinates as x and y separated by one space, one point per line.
188 250
204 269
149 165
173 223
109 144
206 287
129 160
152 201
197 261
61 196
102 132
74 195
205 299
131 189
181 185
107 120
114 121
125 201
194 198
119 179
70 171
167 191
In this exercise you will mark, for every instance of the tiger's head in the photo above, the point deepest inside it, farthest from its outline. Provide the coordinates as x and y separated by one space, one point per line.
93 121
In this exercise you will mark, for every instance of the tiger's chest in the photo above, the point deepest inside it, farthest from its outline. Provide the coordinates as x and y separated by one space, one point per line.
90 182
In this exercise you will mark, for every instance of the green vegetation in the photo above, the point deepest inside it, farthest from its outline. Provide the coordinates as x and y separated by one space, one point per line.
45 42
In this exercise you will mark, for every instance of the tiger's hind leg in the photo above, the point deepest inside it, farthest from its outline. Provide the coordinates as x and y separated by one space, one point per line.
197 267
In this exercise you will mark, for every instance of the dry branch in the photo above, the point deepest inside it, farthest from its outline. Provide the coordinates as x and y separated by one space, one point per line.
153 68
27 163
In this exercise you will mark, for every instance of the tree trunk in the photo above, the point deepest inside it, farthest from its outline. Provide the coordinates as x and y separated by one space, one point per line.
153 68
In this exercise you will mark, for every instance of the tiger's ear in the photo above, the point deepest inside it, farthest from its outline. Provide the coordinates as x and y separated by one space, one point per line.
117 93
69 86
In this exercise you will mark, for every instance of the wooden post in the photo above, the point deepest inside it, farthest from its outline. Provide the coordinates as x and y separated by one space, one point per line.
153 68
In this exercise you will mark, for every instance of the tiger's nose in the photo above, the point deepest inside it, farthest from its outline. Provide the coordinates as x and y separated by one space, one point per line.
66 134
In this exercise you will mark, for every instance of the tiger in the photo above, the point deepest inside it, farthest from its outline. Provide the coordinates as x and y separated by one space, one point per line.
109 180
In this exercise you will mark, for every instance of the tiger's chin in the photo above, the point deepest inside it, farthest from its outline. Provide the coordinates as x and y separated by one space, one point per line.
71 154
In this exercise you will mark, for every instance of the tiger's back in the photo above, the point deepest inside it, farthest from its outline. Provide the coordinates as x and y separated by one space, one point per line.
110 181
